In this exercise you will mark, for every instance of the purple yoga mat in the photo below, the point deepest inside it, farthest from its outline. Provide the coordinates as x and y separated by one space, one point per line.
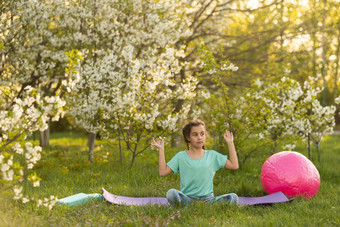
277 197
122 200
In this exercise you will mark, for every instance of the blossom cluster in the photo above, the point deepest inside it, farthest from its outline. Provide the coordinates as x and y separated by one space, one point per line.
9 170
6 170
13 172
27 114
46 202
337 100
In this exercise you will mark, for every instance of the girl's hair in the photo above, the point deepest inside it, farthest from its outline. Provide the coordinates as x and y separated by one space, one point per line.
187 129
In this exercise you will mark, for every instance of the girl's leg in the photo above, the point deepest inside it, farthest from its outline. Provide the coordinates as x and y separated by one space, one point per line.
232 198
176 197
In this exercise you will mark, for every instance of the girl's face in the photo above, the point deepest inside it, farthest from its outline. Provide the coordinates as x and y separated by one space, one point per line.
197 136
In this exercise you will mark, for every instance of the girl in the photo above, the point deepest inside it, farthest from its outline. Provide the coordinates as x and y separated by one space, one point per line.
196 166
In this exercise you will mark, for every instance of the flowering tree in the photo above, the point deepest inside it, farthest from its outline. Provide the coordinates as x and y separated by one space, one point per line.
129 75
277 113
279 103
320 120
20 116
34 39
291 110
224 109
33 80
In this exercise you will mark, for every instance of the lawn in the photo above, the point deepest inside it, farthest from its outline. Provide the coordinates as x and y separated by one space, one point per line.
65 171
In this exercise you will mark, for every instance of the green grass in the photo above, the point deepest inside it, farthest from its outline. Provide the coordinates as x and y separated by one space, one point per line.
66 171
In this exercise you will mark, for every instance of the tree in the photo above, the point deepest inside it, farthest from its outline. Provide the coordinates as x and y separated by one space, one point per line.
35 72
237 113
293 111
277 113
269 40
34 41
128 83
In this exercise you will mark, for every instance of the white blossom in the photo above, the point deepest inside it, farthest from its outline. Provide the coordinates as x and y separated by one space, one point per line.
39 202
289 147
258 82
4 167
212 71
25 199
36 183
17 192
231 67
337 100
17 148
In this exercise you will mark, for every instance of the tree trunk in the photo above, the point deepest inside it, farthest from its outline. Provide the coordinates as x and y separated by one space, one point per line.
135 151
337 54
317 146
282 39
91 141
132 160
120 149
45 137
323 46
175 138
134 155
308 147
273 148
314 40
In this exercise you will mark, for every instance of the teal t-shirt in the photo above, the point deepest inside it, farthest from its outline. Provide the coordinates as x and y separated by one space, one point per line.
196 175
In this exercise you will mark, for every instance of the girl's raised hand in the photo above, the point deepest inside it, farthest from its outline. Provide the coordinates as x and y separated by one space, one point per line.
228 136
159 143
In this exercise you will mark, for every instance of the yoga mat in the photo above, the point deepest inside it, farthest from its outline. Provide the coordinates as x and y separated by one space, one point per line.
79 198
123 200
278 197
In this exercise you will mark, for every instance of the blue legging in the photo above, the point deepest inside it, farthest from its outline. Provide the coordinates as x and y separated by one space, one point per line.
176 197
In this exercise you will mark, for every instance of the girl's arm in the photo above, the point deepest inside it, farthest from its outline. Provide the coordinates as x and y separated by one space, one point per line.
232 162
164 169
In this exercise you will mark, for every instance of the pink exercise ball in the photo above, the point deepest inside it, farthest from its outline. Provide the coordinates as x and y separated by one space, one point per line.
291 173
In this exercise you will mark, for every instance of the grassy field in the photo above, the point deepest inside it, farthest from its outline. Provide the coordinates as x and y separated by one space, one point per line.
66 171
